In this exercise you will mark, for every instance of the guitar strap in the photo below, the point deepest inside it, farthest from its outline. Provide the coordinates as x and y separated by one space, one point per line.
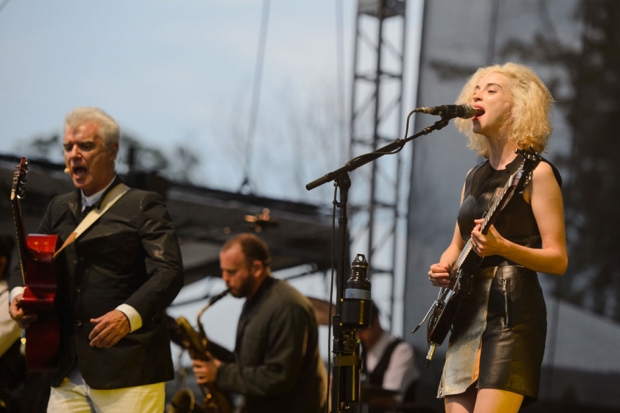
110 199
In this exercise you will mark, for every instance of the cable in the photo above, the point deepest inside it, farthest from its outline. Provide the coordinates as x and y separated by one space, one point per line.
331 298
260 58
340 74
4 3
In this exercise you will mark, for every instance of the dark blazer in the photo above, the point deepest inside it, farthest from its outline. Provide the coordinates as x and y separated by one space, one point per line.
130 255
278 366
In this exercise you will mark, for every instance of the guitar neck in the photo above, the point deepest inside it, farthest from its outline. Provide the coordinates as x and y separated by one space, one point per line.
500 201
20 234
17 191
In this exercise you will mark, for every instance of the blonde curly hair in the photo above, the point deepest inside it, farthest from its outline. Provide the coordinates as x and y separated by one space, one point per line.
528 123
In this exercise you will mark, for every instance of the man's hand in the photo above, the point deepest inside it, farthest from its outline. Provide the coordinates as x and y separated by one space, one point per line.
17 313
206 371
109 329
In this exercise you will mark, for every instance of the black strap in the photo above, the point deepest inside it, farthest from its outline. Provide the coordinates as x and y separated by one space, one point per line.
376 377
85 211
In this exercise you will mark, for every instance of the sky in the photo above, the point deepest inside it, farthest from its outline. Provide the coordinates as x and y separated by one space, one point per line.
170 72
180 73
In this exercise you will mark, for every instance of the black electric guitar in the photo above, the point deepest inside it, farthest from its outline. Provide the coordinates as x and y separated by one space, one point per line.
448 302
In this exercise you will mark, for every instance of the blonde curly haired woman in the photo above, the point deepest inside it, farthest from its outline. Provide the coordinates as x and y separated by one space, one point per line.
497 343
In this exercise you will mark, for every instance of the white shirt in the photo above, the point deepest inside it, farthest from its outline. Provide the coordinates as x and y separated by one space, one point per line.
402 369
94 198
9 329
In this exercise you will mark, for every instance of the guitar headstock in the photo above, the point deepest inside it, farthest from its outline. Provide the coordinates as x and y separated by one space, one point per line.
19 180
531 159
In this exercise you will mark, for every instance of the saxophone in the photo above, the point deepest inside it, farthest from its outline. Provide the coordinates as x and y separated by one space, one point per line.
196 342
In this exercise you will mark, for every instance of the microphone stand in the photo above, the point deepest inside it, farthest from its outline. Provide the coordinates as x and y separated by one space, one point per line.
345 371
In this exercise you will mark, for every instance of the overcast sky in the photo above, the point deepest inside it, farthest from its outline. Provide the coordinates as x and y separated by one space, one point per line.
162 68
179 73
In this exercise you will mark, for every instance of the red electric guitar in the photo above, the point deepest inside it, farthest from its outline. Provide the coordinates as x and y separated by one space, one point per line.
37 266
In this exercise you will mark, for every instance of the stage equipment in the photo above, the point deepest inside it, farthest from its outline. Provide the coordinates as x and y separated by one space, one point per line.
345 387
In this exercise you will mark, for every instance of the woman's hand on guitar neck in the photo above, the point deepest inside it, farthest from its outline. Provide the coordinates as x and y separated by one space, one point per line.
17 313
439 274
490 244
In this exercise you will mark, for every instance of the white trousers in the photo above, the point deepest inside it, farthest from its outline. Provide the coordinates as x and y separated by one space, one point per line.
75 396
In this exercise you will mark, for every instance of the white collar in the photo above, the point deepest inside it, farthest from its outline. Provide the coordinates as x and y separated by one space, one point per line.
94 198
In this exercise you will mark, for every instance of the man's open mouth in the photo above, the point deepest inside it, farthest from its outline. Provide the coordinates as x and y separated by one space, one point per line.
79 171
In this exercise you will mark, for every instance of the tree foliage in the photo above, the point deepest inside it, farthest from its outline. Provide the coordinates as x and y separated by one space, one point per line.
179 165
584 78
591 105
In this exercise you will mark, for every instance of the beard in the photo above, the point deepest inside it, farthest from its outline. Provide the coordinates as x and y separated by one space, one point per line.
244 289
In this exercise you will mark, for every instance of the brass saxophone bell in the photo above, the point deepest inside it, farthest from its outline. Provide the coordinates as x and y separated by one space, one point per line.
184 402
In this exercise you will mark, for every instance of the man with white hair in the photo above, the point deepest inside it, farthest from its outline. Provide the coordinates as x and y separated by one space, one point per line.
118 269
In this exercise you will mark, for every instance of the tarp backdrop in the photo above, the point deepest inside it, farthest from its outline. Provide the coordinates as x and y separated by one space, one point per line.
575 48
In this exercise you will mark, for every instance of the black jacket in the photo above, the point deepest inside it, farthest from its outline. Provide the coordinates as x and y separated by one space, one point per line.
278 366
130 255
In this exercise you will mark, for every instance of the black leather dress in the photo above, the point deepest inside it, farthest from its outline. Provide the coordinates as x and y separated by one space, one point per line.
498 337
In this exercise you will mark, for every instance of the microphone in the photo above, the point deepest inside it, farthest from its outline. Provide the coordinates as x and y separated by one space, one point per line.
452 111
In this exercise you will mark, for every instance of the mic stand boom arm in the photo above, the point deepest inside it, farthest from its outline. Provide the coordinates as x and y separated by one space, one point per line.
388 149
346 366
